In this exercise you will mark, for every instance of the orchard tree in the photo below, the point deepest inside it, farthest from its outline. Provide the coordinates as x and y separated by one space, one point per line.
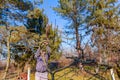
104 23
9 37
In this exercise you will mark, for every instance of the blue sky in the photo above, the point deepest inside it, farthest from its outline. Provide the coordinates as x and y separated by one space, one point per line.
55 18
51 14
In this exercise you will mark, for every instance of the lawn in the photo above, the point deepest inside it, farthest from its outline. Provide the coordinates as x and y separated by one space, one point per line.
75 74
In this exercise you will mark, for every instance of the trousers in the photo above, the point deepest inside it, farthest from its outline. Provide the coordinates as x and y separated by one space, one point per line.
41 76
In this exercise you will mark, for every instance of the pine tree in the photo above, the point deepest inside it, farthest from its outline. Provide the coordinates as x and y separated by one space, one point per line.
74 11
12 11
36 21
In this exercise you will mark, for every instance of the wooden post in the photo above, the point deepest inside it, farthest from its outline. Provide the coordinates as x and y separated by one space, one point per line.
28 75
112 74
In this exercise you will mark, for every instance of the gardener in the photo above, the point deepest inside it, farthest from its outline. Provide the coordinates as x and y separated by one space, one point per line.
42 55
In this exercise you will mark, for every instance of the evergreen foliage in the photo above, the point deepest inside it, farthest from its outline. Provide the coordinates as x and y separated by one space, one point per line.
36 21
75 12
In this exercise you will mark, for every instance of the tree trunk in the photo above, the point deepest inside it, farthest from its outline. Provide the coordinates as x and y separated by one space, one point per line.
8 57
78 41
76 25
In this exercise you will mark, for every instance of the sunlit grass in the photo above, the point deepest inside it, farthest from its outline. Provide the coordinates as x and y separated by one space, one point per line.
68 74
75 74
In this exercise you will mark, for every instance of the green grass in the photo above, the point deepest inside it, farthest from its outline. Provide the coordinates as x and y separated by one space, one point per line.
68 74
75 74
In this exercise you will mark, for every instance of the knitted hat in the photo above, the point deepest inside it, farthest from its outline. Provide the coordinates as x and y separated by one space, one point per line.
43 48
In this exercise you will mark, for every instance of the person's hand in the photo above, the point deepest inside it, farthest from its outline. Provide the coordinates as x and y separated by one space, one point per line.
45 42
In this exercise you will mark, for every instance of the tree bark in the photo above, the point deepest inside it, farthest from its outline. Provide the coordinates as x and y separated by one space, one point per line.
76 25
78 41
